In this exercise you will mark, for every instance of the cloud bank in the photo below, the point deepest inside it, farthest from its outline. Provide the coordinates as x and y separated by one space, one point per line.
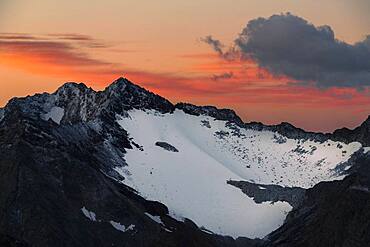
50 50
288 45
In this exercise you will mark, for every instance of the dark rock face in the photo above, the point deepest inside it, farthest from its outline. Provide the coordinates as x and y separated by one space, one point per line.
127 96
332 214
289 130
8 241
360 134
271 193
167 146
1 113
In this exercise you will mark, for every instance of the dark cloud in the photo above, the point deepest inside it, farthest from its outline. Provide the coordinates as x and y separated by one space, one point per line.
72 38
289 45
227 75
230 54
216 45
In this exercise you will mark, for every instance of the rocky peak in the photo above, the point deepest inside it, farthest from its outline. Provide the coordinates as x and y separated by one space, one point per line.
124 95
72 87
75 102
119 85
78 101
360 133
291 131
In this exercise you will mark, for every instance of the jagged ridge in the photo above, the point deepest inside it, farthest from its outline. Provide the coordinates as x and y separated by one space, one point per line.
81 103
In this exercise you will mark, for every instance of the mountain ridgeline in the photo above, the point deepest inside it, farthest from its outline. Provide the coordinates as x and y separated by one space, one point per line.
126 167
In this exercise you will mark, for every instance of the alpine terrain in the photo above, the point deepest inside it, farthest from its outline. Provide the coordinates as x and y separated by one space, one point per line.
126 167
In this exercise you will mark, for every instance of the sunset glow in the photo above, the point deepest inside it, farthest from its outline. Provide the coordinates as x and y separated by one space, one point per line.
160 47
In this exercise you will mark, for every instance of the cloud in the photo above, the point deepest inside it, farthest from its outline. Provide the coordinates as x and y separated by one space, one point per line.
48 52
216 45
288 45
56 49
68 38
227 75
72 36
16 36
229 54
83 39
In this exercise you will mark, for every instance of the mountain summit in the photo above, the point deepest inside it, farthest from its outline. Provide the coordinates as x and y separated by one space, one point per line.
126 167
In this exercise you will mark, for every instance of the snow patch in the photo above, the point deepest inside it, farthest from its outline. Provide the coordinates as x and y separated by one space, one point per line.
89 214
192 183
360 188
347 168
166 229
158 220
118 226
56 114
155 218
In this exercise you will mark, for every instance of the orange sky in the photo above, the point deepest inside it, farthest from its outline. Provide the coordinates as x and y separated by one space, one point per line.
157 45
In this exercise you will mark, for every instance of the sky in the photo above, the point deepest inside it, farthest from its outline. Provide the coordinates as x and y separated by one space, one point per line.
297 61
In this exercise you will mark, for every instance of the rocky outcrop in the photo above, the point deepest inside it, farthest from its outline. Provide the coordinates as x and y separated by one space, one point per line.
167 146
288 130
219 114
271 193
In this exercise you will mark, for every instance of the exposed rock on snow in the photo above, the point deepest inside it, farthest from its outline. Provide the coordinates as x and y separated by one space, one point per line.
271 193
167 146
211 111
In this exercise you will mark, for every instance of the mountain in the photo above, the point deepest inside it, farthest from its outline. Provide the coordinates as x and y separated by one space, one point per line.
360 134
126 167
